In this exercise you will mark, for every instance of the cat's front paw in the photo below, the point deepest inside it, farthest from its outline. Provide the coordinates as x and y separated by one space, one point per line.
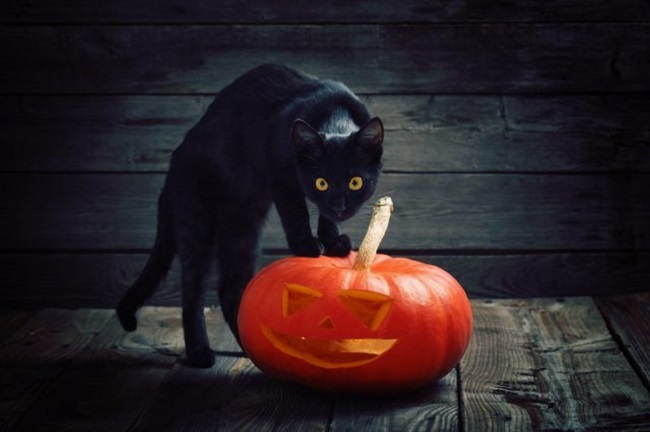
339 246
307 248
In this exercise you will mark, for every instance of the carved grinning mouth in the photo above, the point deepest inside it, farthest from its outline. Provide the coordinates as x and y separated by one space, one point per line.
330 354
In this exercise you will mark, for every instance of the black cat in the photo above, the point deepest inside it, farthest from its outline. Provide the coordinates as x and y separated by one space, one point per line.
274 135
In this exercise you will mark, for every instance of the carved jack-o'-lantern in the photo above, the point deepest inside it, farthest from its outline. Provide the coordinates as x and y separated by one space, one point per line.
362 323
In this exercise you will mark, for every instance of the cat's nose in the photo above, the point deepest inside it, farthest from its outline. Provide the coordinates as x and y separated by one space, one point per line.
338 207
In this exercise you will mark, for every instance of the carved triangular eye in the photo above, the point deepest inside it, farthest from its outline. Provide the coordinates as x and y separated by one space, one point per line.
297 297
370 307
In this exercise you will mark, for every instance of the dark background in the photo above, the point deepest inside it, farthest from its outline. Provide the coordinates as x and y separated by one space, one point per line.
517 146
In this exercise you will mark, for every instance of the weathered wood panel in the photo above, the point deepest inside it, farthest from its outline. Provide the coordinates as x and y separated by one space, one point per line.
629 319
37 353
487 58
445 211
113 378
301 11
540 364
468 90
231 396
432 408
12 320
424 133
78 280
548 365
31 280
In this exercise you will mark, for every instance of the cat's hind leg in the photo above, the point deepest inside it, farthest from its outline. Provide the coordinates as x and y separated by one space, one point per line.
195 233
237 248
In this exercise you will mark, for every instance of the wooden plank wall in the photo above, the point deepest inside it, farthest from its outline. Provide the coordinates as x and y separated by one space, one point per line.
517 148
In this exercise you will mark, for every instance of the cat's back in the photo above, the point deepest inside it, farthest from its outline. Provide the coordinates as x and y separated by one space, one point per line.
269 88
259 107
252 100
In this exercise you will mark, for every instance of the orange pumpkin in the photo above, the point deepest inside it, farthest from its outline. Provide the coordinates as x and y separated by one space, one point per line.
364 323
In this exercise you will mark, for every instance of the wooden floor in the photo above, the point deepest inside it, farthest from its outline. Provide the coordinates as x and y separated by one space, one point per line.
538 364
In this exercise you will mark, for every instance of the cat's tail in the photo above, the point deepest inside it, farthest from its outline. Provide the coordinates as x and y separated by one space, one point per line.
157 266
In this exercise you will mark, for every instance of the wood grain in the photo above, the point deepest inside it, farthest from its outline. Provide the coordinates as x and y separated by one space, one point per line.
113 379
221 338
628 317
494 356
424 133
538 364
445 211
370 58
38 352
516 146
233 395
551 365
31 280
434 407
301 11
12 320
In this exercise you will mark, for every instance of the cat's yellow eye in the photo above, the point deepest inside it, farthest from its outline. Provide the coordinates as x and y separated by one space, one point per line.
321 184
356 183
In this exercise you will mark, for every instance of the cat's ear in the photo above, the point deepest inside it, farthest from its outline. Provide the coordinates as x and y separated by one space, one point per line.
370 137
306 140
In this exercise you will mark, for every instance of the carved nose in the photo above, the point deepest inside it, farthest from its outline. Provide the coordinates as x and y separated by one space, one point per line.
326 323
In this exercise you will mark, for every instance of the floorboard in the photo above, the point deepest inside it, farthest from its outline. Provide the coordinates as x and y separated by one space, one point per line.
432 408
629 319
233 395
38 352
111 381
552 365
11 321
533 364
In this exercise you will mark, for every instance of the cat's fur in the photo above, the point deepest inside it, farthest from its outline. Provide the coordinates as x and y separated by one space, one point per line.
266 138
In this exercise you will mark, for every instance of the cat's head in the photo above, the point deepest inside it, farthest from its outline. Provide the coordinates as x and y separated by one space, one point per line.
338 171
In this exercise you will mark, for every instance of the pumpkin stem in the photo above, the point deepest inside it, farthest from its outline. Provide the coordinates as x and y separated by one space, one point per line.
376 230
